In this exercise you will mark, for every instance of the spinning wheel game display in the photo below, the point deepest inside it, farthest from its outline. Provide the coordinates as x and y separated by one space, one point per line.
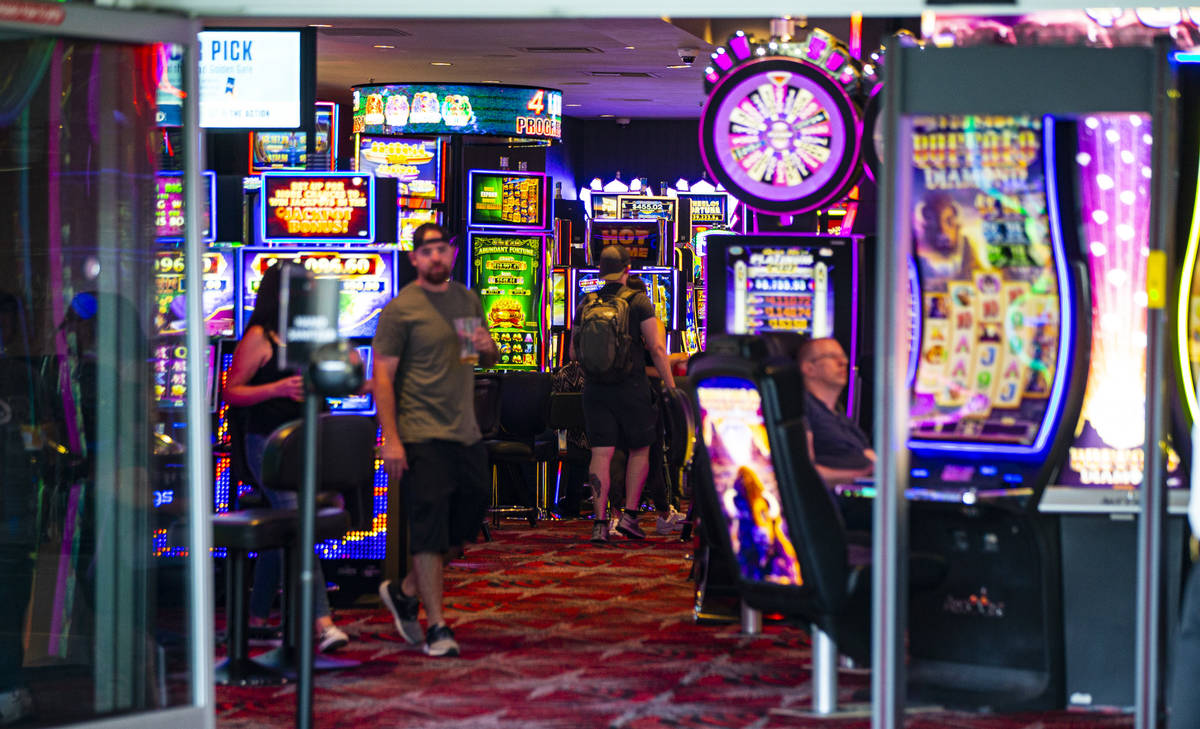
781 136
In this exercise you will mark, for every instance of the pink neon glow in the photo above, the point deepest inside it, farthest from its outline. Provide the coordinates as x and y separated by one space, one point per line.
740 45
834 62
711 75
1114 173
722 59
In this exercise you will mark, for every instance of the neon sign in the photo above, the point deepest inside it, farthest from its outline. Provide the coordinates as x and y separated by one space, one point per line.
510 111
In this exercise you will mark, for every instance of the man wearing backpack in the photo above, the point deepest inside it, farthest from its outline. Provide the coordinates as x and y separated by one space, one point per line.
613 329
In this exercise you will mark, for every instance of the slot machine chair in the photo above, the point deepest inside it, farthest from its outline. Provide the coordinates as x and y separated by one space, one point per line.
834 596
487 417
523 438
351 438
566 414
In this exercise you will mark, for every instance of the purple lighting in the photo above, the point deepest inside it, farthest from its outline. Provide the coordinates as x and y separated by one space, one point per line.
722 59
740 45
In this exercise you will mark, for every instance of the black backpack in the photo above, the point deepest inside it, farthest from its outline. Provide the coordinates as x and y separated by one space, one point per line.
601 336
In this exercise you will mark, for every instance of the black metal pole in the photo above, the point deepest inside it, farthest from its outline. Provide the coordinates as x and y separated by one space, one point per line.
308 518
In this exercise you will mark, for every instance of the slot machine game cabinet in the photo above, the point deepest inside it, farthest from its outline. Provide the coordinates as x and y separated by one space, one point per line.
508 239
996 386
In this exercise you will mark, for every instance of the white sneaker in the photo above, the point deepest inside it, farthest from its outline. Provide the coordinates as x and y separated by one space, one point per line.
331 639
15 705
672 523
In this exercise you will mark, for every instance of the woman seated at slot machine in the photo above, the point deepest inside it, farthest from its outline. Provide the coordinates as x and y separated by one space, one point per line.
272 397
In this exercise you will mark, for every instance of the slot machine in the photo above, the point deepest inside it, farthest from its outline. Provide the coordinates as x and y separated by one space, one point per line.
509 240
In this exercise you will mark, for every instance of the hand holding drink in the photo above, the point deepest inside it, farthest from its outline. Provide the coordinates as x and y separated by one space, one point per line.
467 329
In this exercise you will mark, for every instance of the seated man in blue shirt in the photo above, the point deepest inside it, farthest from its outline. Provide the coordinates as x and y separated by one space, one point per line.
840 449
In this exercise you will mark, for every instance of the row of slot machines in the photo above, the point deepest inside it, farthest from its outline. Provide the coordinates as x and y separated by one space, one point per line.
1026 369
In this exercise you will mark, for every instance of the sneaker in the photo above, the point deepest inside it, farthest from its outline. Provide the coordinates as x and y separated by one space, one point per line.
332 639
405 611
439 642
628 526
600 532
672 523
15 705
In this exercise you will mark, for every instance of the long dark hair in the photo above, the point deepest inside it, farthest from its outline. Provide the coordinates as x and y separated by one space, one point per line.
266 304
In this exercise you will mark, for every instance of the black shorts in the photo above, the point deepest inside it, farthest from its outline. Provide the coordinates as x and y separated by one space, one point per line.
621 415
446 494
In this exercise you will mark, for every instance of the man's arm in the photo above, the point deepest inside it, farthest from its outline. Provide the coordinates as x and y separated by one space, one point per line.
392 452
833 476
657 348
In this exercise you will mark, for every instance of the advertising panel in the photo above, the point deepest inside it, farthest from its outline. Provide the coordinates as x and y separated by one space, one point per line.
170 313
642 238
289 150
169 219
250 79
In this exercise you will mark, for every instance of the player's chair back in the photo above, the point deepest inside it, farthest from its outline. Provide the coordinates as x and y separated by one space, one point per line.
524 404
487 404
345 461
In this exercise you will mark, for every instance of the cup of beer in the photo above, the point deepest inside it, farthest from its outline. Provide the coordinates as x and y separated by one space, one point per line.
465 326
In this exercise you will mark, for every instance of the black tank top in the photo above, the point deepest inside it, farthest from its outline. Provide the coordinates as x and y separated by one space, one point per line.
268 415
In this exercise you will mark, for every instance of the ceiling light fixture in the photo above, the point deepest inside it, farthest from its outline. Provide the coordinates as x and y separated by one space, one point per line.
440 63
574 104
381 45
489 81
680 65
604 116
630 48
319 25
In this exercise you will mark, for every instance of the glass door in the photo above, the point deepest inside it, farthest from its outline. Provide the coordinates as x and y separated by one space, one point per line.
103 430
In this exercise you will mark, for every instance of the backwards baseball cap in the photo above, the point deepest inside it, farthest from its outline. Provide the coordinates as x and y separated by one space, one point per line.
430 233
613 262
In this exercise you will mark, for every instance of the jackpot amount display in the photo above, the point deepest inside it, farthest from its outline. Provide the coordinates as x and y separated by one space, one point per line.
990 298
507 276
778 290
366 283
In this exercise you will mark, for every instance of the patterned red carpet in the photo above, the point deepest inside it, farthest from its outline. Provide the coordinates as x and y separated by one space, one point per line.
557 632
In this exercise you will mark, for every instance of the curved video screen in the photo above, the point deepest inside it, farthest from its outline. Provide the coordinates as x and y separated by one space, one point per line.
747 491
990 278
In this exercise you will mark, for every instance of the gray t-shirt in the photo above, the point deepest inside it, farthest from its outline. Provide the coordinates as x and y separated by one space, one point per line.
435 392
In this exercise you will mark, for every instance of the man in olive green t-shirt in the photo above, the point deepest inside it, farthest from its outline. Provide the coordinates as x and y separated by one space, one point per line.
431 444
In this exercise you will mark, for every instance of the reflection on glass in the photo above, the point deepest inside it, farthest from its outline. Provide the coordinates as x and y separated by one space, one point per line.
92 481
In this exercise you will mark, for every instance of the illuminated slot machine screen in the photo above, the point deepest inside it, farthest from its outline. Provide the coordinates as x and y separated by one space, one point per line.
289 150
317 208
359 404
666 209
781 283
743 474
558 297
170 374
410 220
367 281
169 219
507 271
995 313
513 200
662 286
220 288
643 239
604 205
416 163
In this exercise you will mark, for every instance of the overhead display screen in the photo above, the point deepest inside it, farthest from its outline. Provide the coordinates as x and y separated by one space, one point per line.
735 435
217 303
780 135
642 238
506 271
367 282
415 163
289 150
507 199
250 79
604 205
991 277
328 207
506 111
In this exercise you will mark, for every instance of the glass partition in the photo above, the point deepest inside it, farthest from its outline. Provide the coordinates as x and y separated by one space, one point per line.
94 622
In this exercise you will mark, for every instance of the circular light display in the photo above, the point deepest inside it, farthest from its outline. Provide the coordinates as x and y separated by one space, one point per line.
780 135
